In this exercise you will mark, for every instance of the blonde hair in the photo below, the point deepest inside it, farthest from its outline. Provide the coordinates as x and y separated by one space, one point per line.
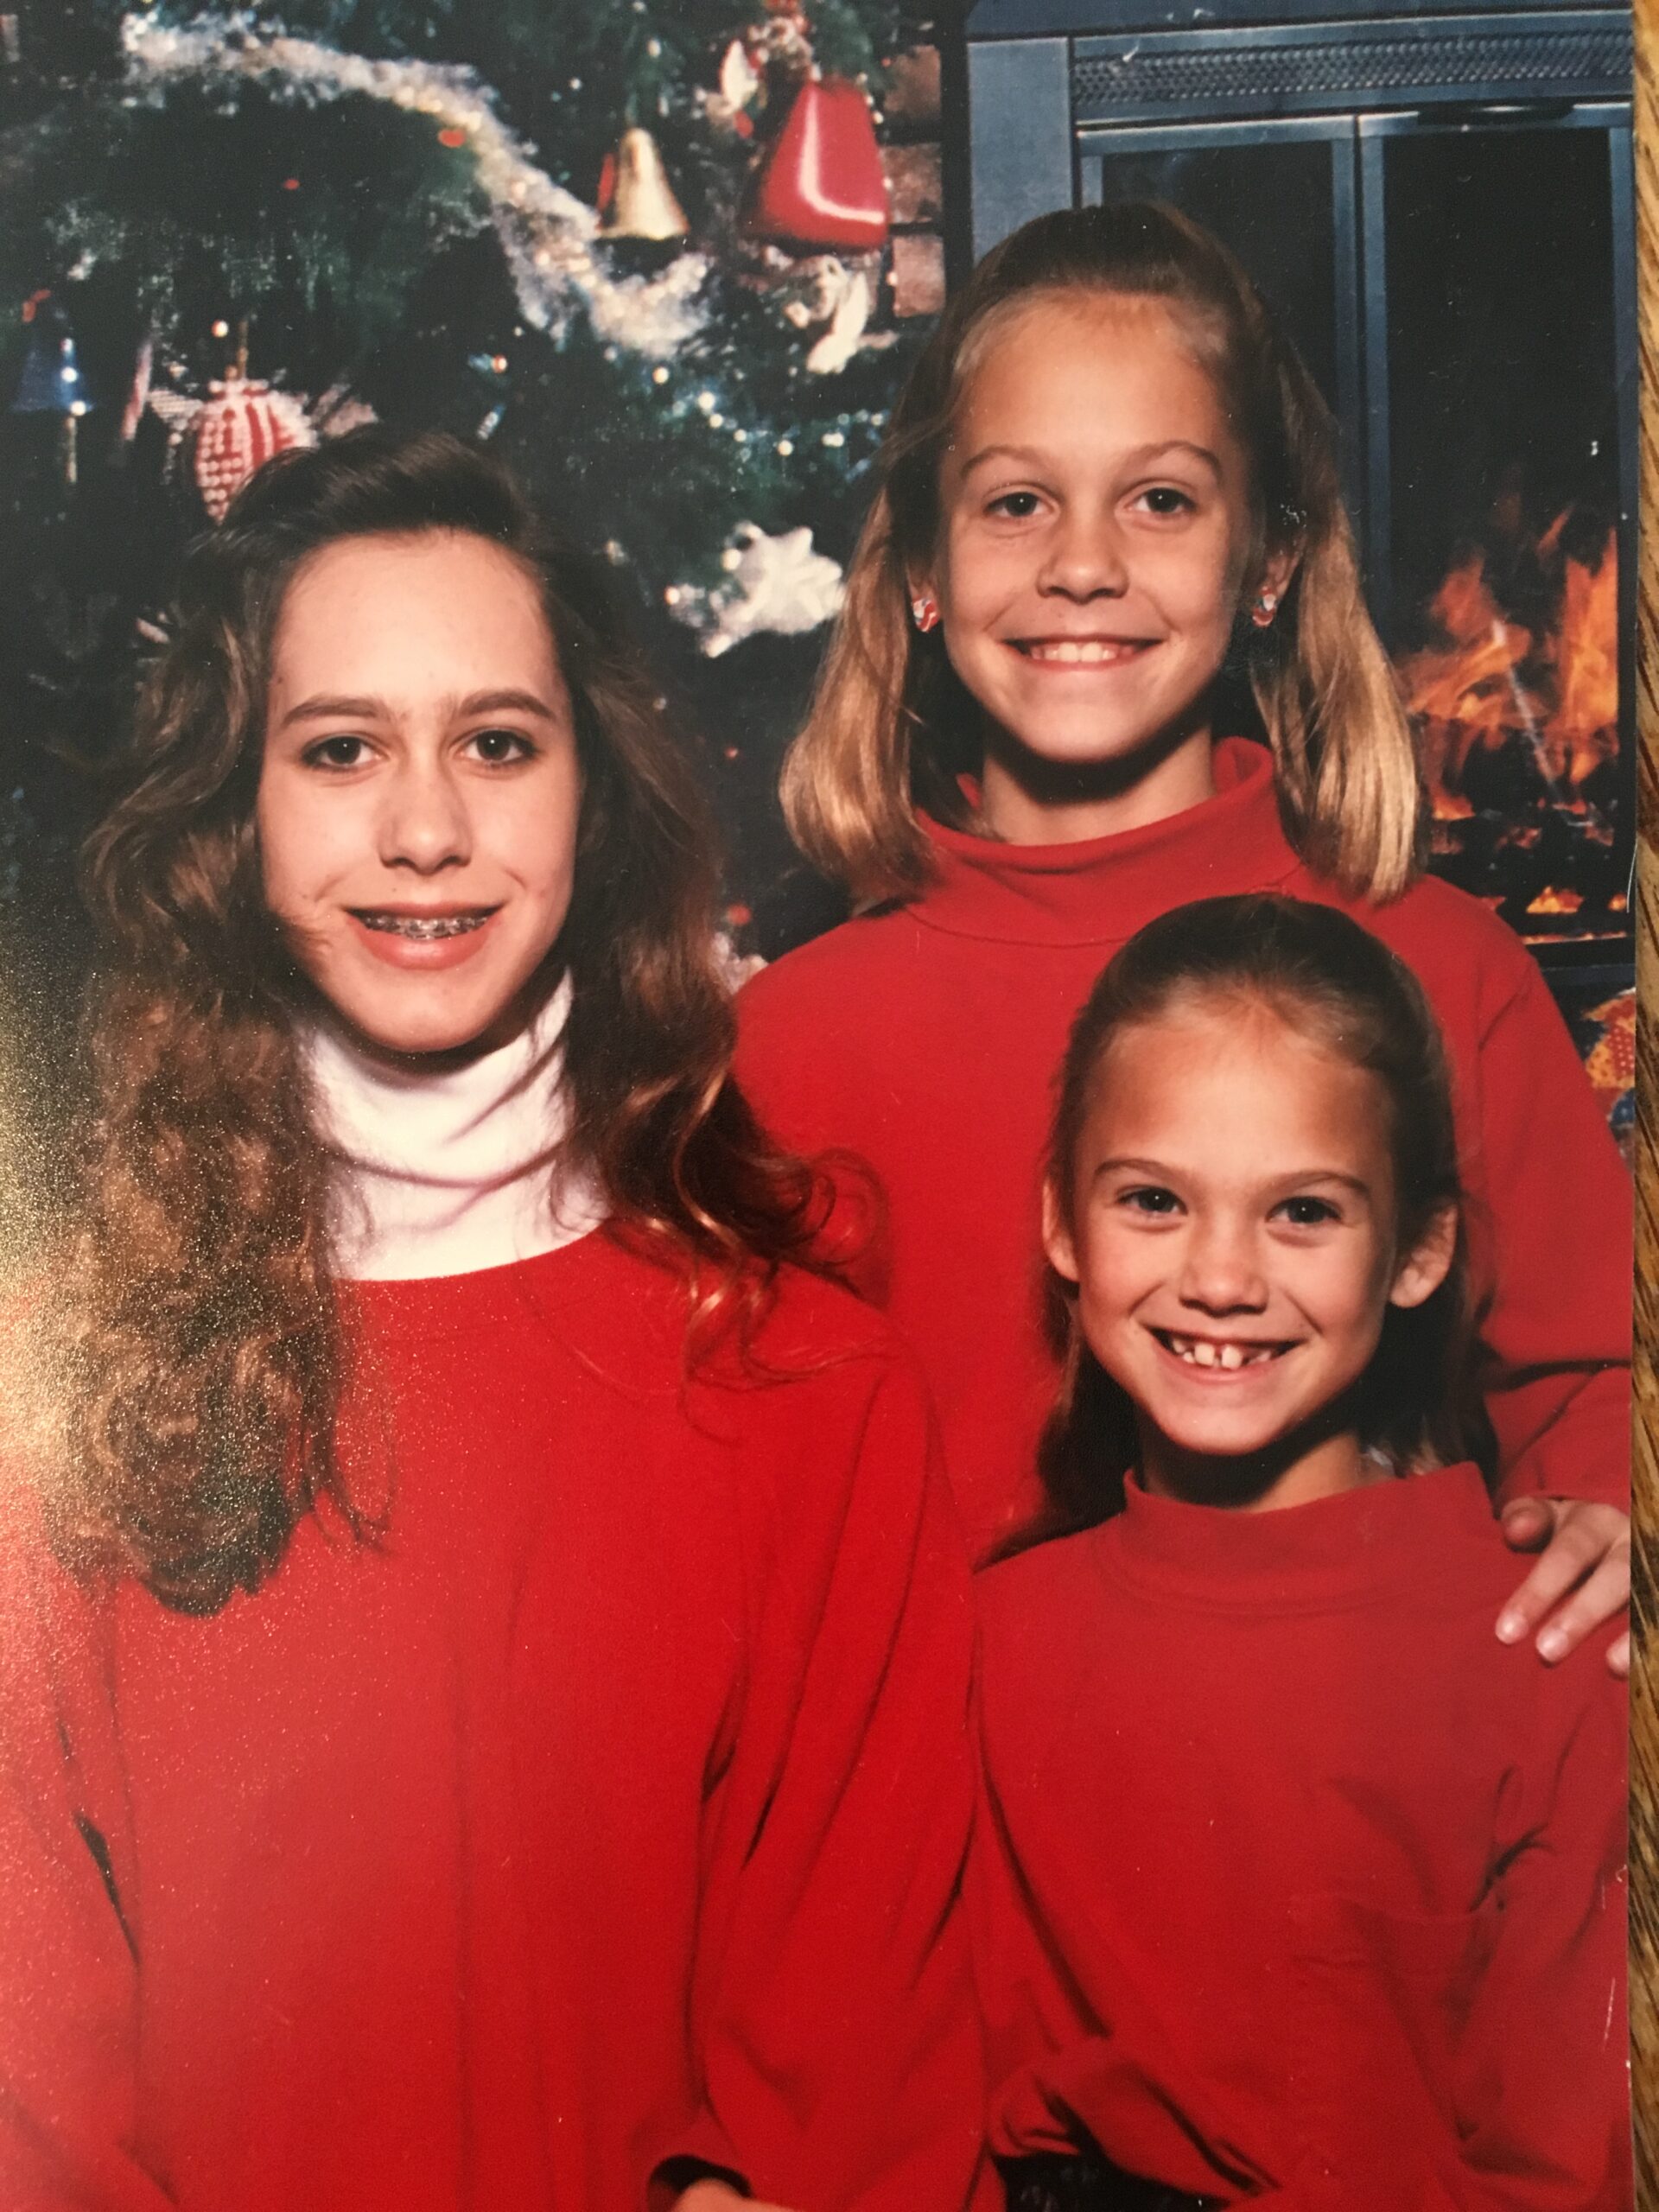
890 732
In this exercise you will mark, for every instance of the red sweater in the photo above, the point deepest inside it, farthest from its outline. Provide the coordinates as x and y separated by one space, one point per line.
925 1037
1309 1893
611 1813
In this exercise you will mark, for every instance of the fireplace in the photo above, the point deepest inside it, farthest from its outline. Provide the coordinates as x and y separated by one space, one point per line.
1438 202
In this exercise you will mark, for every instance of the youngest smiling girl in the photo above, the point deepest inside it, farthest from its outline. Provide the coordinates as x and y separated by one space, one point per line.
1297 1890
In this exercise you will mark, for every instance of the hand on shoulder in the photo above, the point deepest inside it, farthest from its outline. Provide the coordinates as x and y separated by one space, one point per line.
1582 1578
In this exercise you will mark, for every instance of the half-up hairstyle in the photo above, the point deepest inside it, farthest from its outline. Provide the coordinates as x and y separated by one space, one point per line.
892 728
1341 988
198 1355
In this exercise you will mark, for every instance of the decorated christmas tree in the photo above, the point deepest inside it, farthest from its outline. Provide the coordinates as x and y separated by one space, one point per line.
642 246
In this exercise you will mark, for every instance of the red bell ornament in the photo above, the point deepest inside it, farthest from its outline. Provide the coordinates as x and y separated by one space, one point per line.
822 184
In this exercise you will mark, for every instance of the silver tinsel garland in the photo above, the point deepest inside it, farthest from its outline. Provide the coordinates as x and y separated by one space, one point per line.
547 234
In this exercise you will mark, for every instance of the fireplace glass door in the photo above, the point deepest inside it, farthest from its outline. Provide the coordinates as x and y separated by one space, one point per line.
1460 281
1494 495
1306 259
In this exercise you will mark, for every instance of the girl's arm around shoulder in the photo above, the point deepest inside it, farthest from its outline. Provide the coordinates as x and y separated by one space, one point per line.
1550 1213
1557 1213
1550 1218
834 2014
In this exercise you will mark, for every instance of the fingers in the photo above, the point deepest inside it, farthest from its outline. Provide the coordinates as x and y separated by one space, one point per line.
1582 1581
1618 1656
1601 1599
1527 1524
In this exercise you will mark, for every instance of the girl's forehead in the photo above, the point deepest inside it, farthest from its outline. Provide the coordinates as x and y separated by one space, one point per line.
1243 1045
407 616
1092 318
1245 1100
1084 373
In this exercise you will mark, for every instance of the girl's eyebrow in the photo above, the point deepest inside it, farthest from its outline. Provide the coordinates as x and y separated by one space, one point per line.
1300 1179
328 706
1137 457
1153 1168
1003 453
1306 1175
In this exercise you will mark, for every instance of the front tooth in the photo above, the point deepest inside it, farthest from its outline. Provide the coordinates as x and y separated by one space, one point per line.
1068 652
1204 1353
1231 1356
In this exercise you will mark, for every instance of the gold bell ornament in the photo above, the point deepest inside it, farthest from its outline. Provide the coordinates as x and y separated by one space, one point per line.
636 199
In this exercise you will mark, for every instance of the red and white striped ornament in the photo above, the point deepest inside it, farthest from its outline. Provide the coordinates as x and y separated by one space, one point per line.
241 425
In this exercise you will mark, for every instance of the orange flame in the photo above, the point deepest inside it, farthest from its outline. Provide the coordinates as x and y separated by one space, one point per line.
1585 727
1492 683
1465 693
1556 902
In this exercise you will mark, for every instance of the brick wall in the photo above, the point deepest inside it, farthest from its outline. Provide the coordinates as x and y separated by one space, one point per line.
910 155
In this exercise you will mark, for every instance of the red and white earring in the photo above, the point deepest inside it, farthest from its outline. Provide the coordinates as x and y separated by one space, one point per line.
1266 606
925 612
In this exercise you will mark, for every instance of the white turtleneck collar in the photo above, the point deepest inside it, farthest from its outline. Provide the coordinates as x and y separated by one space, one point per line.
443 1173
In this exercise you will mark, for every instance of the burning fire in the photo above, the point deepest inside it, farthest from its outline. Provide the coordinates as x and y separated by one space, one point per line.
1585 659
1494 683
1556 902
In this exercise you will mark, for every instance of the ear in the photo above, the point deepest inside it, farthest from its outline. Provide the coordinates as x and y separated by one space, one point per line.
1057 1236
925 610
1426 1266
1280 566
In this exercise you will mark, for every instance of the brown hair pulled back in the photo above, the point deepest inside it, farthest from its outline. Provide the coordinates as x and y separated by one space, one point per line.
198 1353
1335 983
892 728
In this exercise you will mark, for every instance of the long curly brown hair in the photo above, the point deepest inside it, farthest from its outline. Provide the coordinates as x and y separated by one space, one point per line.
196 1351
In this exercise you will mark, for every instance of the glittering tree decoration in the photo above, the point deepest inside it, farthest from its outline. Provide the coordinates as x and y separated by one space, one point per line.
242 425
51 381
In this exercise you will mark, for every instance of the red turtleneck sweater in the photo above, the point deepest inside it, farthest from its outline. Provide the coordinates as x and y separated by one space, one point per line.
1300 1890
609 1813
924 1038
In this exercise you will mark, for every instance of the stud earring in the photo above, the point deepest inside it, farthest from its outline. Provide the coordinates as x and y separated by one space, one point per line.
925 612
1267 605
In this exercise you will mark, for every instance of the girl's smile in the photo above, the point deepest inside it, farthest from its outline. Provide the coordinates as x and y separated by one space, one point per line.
1089 652
1222 1357
1095 528
419 790
425 938
1233 1243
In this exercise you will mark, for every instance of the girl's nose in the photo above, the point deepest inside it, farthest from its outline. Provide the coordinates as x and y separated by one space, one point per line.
1221 1273
424 823
1085 559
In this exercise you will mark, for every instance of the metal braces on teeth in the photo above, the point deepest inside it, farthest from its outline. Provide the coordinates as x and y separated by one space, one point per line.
424 929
